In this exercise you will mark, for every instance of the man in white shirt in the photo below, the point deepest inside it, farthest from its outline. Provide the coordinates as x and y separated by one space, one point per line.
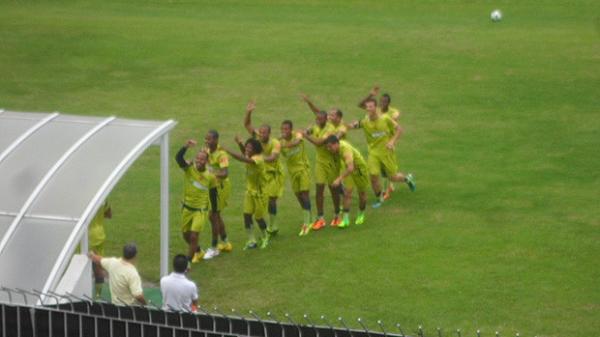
123 279
178 292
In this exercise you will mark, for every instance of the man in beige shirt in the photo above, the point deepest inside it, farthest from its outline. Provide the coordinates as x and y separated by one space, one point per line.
123 279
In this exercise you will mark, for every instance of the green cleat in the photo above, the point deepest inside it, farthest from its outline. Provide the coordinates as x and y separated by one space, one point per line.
360 219
410 181
272 231
251 244
345 223
264 242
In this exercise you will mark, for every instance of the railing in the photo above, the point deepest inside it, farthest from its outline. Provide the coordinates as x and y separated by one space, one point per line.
70 315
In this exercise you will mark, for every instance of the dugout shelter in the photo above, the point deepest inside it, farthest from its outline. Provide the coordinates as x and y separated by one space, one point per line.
55 172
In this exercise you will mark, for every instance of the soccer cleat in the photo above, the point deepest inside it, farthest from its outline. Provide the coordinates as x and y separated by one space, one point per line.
225 247
360 219
250 244
198 257
410 181
377 204
264 242
320 223
304 230
344 223
272 231
336 221
210 253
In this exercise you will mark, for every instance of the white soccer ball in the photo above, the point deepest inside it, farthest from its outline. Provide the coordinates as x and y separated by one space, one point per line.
496 15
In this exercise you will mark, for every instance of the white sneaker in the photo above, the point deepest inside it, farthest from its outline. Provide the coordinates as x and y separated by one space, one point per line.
210 253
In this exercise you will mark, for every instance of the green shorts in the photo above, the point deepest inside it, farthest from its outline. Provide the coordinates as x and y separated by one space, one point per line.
224 191
326 172
193 220
275 183
382 162
300 181
255 204
358 180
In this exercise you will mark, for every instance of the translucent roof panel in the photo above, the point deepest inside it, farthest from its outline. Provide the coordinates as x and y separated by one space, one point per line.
24 168
55 172
87 169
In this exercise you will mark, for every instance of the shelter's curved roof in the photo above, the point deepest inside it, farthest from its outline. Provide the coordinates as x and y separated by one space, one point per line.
55 171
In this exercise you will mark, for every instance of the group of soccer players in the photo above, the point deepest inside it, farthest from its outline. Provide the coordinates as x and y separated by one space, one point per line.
338 164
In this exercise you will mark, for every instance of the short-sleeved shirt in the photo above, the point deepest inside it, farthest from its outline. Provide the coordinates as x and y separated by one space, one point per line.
96 228
196 187
256 175
178 292
323 155
340 129
124 281
272 146
392 112
378 132
218 160
295 157
346 149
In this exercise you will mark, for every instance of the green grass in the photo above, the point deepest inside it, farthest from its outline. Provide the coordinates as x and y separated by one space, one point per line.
501 125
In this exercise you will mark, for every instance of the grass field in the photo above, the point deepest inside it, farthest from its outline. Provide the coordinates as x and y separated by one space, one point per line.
501 124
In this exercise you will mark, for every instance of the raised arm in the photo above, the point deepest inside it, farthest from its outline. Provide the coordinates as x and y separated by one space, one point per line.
372 94
248 117
180 156
316 141
311 105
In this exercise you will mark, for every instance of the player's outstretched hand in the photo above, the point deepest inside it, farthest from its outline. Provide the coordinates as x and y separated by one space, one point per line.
251 106
304 97
190 143
337 182
238 139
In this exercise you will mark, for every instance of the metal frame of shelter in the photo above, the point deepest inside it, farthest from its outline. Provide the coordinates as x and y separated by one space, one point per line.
19 128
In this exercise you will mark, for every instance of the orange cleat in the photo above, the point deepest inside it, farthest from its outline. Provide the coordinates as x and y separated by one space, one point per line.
320 223
336 221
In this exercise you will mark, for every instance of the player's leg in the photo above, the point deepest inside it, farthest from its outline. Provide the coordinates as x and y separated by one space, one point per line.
390 165
198 220
374 169
224 193
99 273
361 181
213 251
301 186
259 213
272 207
347 193
321 180
249 207
336 193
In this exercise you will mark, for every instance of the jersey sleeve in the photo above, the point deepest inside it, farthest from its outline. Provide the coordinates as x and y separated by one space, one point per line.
107 263
391 125
135 285
258 160
212 181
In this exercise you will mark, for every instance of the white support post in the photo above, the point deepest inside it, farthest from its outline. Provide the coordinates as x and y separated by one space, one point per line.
85 245
164 205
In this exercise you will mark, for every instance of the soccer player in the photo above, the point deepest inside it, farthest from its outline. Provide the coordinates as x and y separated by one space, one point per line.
298 168
97 236
326 170
274 171
385 108
199 193
353 173
218 164
382 133
255 199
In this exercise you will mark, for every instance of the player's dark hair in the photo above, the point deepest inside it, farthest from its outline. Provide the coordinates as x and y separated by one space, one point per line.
129 251
339 113
388 97
266 126
214 133
256 145
180 263
371 99
321 113
333 139
288 123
